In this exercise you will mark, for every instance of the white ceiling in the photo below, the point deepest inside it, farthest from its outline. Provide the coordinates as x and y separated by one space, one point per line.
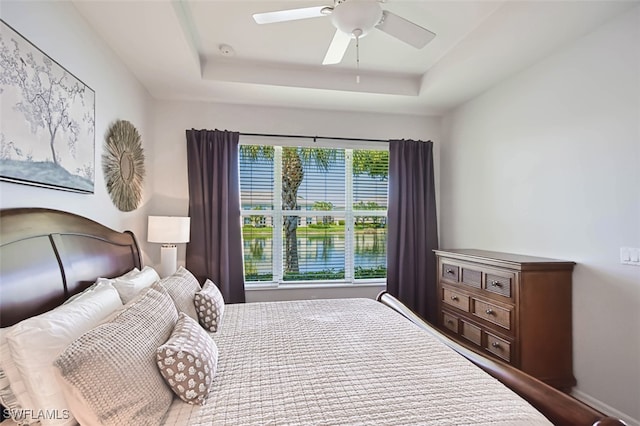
173 47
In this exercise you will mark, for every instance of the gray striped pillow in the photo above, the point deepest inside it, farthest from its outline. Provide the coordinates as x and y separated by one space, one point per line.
114 365
182 287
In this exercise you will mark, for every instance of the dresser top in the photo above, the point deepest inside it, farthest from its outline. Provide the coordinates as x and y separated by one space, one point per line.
509 260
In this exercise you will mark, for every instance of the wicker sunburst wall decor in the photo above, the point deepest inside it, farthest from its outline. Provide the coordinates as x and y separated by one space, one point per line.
123 165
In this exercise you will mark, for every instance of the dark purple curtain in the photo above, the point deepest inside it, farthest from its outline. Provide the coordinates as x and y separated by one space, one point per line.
413 231
215 249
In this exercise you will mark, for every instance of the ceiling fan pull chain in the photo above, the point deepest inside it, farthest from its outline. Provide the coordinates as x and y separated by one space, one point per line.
357 35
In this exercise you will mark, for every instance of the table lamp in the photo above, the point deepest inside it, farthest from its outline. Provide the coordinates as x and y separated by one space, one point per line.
168 230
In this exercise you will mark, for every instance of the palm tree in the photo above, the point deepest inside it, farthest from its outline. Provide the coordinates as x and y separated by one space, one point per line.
294 161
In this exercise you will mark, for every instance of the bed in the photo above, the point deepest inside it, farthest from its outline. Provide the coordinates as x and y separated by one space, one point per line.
352 361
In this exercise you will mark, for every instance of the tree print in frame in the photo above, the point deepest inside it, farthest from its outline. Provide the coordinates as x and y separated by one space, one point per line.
47 125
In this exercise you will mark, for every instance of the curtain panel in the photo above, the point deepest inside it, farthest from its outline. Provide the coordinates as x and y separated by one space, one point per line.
413 230
215 249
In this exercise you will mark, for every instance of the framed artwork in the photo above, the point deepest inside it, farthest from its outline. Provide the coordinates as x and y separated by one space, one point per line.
47 125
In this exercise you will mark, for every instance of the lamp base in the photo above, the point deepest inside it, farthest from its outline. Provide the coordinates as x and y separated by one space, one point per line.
168 260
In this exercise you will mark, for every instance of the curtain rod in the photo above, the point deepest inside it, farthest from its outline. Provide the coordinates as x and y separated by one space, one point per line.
315 138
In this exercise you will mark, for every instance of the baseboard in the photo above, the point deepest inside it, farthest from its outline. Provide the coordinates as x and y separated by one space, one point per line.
605 408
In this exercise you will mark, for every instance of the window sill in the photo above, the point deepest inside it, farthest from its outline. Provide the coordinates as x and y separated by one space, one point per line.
314 285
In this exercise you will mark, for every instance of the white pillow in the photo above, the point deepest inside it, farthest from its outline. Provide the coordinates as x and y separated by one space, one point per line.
129 287
36 342
131 274
13 392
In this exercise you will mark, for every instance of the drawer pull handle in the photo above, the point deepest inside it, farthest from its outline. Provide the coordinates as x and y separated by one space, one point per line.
454 298
496 284
489 311
449 271
495 344
449 322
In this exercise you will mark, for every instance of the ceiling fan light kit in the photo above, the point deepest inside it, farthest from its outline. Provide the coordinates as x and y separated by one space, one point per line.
353 19
362 16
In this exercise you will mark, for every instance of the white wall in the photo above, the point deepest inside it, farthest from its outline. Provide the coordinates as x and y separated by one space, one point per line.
548 163
172 119
58 30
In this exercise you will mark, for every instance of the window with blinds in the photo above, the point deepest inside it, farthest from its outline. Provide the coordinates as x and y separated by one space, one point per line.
370 173
313 214
256 193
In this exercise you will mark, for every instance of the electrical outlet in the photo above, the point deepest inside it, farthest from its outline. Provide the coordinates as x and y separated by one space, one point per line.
630 256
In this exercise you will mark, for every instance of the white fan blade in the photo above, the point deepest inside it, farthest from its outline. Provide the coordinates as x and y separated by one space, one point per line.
337 48
404 30
288 15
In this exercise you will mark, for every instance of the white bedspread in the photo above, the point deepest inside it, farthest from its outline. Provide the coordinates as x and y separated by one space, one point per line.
343 362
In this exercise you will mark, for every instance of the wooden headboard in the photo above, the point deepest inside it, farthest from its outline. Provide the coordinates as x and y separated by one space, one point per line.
47 256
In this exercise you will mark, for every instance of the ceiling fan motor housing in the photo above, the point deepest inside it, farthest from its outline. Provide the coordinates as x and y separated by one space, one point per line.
363 15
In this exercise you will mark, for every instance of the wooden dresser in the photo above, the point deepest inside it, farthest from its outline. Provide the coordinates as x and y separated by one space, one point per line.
516 308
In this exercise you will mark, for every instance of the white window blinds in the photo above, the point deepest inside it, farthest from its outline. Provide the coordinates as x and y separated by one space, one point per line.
313 214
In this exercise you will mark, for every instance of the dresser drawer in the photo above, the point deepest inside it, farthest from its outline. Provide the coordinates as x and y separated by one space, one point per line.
450 322
471 277
450 272
492 313
471 333
453 298
498 347
500 284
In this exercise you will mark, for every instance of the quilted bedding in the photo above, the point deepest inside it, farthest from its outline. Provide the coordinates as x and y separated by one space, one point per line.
343 362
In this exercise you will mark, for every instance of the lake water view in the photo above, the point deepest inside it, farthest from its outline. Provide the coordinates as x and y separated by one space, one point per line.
321 254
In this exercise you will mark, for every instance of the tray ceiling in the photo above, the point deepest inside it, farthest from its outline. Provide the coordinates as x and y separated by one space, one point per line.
174 49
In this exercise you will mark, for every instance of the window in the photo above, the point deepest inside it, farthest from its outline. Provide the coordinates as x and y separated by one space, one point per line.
313 214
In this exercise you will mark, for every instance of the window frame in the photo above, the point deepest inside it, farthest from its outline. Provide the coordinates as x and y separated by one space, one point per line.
277 213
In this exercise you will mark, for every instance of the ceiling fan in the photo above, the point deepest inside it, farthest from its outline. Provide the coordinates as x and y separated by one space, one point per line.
353 19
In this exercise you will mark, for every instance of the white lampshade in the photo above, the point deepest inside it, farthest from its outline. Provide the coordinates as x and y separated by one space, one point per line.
168 229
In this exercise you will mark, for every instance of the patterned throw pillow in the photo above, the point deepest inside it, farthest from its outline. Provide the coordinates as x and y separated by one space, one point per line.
182 287
210 306
188 361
